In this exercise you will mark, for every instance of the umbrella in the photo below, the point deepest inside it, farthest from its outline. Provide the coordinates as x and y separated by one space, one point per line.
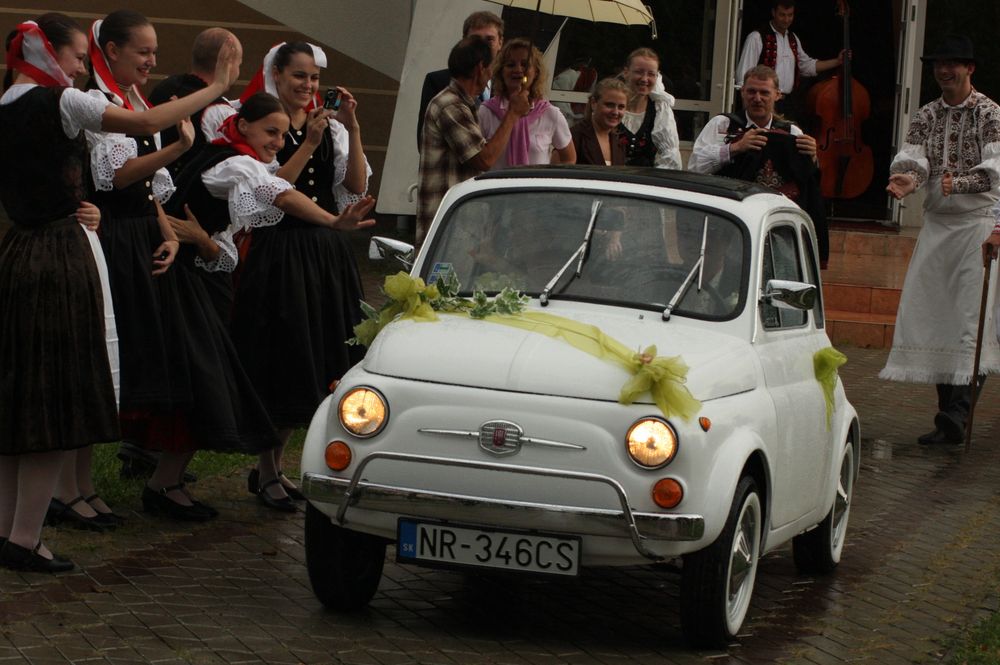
623 12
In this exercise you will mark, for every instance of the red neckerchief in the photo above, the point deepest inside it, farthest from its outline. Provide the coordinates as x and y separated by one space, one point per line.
231 137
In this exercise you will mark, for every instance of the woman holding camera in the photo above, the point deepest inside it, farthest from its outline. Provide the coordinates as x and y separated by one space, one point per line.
299 292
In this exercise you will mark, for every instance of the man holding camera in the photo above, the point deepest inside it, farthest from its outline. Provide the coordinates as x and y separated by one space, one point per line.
756 146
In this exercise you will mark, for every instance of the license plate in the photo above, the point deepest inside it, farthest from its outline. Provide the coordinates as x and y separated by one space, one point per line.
469 546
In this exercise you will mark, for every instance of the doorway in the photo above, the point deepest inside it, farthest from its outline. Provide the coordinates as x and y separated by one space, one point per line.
875 33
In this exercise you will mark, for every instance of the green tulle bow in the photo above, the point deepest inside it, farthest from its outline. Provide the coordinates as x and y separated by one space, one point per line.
661 376
825 364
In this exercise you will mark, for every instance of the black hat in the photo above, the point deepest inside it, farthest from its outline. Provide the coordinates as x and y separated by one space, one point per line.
954 47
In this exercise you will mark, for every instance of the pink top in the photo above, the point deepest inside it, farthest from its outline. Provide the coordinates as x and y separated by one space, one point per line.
549 130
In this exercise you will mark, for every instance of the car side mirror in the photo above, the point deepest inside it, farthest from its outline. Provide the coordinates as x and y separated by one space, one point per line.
382 247
788 294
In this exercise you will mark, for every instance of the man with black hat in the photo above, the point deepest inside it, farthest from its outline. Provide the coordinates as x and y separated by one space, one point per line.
952 149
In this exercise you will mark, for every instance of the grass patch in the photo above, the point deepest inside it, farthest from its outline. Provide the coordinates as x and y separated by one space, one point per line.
979 644
207 465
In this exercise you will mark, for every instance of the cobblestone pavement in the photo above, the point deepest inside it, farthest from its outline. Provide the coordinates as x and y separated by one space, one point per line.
921 561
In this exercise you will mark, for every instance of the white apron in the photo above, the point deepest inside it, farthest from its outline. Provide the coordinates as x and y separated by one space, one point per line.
935 336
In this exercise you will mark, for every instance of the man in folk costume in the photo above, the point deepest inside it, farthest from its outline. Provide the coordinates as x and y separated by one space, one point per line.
952 149
757 146
780 49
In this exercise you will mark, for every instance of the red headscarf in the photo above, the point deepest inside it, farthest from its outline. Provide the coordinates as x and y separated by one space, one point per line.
130 98
32 54
263 80
232 137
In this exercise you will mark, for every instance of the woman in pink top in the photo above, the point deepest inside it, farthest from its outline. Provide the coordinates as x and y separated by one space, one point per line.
540 137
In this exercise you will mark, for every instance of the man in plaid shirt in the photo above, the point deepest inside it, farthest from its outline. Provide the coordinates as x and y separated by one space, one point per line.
453 148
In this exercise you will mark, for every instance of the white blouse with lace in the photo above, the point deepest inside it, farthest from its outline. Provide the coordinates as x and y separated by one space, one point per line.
250 186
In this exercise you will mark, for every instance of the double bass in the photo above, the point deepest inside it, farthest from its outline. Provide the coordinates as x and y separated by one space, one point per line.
842 104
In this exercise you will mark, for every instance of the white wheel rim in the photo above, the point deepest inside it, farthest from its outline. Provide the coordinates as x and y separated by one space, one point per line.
742 570
842 501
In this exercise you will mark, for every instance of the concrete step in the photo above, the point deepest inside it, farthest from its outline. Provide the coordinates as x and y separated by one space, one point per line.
862 285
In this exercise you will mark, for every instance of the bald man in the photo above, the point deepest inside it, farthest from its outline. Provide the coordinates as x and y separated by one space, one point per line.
204 53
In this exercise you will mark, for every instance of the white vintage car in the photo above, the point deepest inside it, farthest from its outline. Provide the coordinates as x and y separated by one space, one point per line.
548 435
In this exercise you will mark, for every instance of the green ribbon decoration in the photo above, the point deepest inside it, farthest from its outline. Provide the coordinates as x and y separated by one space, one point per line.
825 364
663 377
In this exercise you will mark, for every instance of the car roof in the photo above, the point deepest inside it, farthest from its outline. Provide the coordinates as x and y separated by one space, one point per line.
729 188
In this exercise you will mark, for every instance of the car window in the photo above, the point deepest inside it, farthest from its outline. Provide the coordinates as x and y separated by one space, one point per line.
641 252
812 268
781 261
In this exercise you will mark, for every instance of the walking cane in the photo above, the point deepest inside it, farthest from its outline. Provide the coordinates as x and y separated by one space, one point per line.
973 391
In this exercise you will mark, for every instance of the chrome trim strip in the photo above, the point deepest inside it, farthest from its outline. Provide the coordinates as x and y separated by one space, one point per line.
356 488
469 434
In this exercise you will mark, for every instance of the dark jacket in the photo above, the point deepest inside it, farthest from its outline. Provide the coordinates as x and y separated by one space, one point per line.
434 83
588 150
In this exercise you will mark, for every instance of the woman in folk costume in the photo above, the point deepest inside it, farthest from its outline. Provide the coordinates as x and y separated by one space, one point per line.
182 385
58 392
299 291
540 137
236 184
648 131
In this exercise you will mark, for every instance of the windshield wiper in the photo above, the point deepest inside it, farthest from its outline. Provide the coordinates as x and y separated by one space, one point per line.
699 268
582 253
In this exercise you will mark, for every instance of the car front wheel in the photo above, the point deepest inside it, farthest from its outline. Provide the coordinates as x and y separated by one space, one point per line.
818 551
717 582
344 566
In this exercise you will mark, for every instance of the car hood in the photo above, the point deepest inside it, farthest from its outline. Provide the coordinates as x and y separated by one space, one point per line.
458 350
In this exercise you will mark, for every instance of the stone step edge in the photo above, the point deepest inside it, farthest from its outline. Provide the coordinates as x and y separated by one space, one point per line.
861 317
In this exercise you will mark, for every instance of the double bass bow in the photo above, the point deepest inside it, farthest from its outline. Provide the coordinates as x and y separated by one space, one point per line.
842 104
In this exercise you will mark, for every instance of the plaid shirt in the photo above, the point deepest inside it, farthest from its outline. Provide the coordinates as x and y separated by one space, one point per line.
451 138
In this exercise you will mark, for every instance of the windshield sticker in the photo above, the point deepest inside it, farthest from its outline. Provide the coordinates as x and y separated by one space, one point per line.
440 270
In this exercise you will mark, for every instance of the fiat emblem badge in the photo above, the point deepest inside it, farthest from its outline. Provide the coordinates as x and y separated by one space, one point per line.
500 437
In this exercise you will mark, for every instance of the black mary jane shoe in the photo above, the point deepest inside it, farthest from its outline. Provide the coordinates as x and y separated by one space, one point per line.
284 504
158 503
109 518
63 513
293 492
15 557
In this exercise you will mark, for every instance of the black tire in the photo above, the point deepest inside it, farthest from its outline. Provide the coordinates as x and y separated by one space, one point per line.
817 552
344 566
710 615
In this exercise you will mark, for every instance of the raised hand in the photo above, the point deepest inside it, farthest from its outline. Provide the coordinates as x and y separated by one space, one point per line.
316 125
352 217
227 66
185 133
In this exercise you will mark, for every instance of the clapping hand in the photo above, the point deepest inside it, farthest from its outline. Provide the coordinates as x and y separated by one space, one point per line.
900 185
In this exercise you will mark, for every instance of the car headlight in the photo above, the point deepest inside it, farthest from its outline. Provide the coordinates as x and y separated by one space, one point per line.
651 443
363 412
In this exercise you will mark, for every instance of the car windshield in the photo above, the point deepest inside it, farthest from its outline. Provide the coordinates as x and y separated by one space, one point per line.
640 254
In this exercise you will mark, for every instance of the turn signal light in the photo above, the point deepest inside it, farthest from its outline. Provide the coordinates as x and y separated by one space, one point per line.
706 423
667 493
338 455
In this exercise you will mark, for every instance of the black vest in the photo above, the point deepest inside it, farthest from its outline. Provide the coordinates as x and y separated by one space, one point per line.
42 171
639 147
316 179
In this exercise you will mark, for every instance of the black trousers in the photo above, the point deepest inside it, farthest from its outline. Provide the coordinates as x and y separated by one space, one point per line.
956 400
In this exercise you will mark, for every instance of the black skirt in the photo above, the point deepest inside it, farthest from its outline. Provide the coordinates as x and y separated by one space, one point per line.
56 390
179 368
297 302
225 413
144 304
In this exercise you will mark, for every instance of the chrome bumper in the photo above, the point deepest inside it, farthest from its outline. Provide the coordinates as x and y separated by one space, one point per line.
355 492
